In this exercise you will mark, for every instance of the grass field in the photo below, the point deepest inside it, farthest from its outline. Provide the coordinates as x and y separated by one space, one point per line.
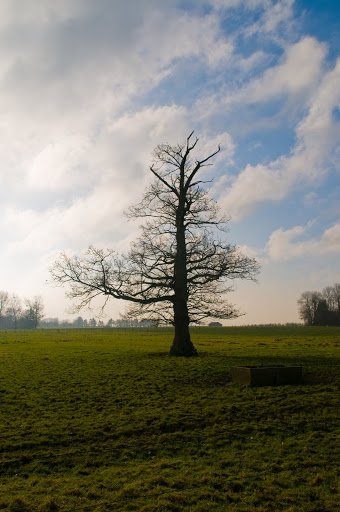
104 420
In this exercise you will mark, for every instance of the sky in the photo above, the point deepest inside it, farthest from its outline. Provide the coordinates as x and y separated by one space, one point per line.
88 89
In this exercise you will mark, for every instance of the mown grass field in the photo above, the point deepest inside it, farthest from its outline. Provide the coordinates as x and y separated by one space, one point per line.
104 420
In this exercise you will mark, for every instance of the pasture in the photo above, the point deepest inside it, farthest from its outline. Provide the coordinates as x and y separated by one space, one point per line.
103 420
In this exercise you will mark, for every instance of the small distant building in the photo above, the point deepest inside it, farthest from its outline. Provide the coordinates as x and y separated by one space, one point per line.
215 324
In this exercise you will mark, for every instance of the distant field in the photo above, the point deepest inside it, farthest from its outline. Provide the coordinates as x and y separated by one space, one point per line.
103 420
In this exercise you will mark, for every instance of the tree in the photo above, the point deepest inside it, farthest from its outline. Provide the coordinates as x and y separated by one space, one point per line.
3 301
308 305
322 314
78 322
336 291
332 296
35 310
93 322
110 323
328 296
14 309
317 308
179 269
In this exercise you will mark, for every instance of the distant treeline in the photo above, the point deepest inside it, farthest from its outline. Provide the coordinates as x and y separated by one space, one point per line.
16 313
80 322
321 308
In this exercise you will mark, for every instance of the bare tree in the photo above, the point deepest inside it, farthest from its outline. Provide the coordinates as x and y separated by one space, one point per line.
329 296
308 305
317 308
35 310
3 301
14 309
336 300
179 270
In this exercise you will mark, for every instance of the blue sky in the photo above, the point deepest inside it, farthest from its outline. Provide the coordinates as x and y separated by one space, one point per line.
88 89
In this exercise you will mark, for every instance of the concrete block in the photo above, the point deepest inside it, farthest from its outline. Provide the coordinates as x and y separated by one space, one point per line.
266 375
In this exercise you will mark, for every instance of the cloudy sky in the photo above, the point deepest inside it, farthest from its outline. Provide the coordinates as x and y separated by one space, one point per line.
88 88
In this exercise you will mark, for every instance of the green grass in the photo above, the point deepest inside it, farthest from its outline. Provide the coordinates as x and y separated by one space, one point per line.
104 420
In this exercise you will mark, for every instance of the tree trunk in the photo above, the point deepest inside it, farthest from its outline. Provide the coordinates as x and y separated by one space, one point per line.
182 344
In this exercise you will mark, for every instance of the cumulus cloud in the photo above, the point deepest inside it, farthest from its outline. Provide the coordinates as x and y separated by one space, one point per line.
96 215
293 79
73 57
330 241
284 244
67 74
121 173
62 164
272 13
275 15
317 139
298 72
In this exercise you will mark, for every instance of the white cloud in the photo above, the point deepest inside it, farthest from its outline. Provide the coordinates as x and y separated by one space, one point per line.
62 164
298 72
330 240
246 64
74 56
274 15
284 244
69 71
317 137
208 145
318 131
121 174
39 12
292 82
271 9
